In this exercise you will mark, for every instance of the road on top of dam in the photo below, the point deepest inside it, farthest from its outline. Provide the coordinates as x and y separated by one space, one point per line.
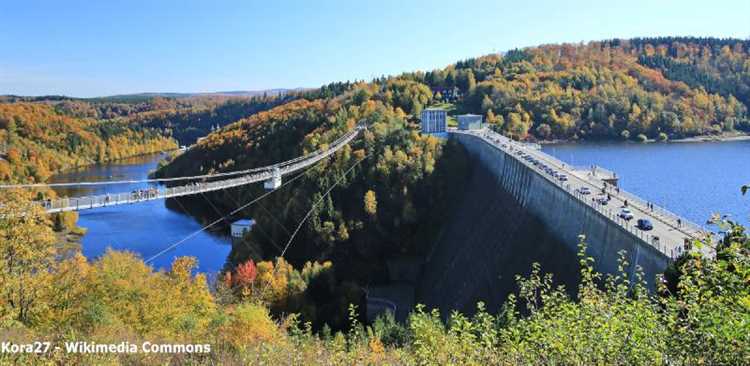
667 235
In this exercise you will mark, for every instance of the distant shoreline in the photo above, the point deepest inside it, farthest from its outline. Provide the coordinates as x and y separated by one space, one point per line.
710 138
728 137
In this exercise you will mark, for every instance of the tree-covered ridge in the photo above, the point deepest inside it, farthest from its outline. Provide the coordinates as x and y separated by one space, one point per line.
113 107
184 118
265 137
718 65
186 125
41 141
660 88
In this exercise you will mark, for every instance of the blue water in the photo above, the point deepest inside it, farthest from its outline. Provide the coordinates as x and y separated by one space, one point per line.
145 228
694 180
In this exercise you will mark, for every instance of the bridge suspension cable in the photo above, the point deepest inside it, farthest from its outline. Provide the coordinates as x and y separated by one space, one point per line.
213 223
309 212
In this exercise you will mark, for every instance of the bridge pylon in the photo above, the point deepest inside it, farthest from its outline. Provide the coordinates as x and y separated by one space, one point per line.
275 181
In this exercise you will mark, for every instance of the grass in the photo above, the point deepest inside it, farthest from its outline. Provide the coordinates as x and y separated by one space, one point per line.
450 108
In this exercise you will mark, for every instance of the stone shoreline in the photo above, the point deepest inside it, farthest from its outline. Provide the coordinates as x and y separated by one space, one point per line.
702 138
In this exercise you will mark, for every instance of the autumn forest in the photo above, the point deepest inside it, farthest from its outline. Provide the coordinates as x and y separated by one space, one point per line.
394 189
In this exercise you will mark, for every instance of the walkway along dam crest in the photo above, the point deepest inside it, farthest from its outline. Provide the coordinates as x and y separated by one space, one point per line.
569 207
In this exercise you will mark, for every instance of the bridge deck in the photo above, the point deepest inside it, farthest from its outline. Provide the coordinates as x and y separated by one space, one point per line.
669 229
155 193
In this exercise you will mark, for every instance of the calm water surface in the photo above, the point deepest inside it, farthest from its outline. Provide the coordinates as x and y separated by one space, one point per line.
691 179
144 228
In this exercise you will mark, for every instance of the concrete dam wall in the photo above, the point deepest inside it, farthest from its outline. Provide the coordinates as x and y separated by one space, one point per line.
512 216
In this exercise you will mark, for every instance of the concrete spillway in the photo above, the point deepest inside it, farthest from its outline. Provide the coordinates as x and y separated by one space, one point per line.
513 216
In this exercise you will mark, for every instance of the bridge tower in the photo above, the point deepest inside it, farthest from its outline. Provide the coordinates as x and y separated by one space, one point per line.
275 181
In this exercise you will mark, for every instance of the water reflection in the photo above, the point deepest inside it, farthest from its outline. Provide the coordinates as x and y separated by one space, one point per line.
145 228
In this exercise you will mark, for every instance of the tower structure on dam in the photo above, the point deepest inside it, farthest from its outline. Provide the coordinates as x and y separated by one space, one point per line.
434 120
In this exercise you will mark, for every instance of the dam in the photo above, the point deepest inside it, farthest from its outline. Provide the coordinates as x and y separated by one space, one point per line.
524 206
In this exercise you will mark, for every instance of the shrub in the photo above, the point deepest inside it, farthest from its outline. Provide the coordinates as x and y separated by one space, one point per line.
248 324
65 221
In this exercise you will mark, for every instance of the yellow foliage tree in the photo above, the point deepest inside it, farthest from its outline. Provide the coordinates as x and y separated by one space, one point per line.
249 324
27 257
371 203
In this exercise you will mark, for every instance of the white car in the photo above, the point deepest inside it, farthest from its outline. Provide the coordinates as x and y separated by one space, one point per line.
626 214
584 190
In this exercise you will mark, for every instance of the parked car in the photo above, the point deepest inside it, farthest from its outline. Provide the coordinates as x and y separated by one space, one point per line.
626 214
584 190
563 178
644 224
602 200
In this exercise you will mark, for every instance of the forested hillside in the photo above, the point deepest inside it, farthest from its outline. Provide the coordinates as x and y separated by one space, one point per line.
187 119
658 88
186 125
184 118
41 141
52 133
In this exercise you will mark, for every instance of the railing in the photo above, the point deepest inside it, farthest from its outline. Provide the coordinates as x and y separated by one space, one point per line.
671 250
142 195
154 193
595 170
672 219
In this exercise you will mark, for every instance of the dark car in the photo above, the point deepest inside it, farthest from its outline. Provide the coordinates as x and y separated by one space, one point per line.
644 224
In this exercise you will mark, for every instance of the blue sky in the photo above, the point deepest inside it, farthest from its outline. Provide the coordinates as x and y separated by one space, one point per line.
95 48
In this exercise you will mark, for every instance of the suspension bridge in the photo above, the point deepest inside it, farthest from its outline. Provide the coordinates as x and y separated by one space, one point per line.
271 175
